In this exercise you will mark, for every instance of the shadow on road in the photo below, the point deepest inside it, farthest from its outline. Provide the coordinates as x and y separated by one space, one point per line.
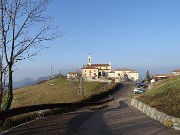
119 119
123 104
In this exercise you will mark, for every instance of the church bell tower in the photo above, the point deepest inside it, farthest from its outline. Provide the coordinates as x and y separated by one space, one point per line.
89 59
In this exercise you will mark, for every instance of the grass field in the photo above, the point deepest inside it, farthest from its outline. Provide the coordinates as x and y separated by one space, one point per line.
164 97
58 90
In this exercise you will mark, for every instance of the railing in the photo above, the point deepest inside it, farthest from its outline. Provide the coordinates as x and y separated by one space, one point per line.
26 109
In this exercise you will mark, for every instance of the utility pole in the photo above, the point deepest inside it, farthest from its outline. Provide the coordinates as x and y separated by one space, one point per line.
79 87
51 72
60 73
72 69
82 86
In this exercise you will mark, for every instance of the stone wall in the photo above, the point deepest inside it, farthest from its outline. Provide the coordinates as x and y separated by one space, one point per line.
97 80
167 120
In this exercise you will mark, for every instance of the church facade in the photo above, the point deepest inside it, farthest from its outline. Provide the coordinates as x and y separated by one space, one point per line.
95 70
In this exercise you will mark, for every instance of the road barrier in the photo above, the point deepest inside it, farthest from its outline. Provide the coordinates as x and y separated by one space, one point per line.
26 109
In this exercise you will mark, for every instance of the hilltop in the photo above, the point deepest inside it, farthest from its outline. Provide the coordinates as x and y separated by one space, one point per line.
164 96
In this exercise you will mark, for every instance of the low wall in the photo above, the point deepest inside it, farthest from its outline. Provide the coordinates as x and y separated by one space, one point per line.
167 120
97 80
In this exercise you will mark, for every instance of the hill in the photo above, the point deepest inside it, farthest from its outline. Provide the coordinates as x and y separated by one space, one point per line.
165 97
24 82
29 81
58 90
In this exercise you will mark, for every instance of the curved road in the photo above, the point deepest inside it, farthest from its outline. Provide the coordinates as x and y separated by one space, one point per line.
119 118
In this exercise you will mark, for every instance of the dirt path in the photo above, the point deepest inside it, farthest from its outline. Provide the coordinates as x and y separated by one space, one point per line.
119 118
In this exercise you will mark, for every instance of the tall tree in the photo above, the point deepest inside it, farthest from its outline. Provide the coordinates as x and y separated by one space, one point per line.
23 30
148 78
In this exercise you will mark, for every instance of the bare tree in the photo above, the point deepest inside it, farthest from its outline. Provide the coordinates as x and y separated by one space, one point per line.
23 31
1 86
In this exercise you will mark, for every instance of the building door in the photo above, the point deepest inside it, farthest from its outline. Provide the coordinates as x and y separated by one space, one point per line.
104 74
99 74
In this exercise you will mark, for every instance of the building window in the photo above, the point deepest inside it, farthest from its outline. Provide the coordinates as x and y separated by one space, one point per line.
85 70
89 71
85 74
106 67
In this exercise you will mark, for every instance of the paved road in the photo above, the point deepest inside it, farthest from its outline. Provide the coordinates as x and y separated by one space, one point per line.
119 118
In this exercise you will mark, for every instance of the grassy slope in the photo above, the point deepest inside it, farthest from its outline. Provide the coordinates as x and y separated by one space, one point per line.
58 90
54 91
165 97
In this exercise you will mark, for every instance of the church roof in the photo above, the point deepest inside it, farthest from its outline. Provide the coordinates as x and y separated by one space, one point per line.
89 67
96 65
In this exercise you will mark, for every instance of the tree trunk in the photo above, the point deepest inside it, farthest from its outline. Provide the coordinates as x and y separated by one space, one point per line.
10 90
1 94
1 85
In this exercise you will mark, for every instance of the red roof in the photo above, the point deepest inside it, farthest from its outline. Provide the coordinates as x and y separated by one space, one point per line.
96 65
89 67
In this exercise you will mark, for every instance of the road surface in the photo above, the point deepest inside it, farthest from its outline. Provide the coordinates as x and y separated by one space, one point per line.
119 118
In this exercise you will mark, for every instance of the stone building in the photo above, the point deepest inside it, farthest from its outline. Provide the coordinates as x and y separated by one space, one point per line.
120 73
176 72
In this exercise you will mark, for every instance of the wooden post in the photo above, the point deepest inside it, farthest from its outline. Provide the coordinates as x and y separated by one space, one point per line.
82 83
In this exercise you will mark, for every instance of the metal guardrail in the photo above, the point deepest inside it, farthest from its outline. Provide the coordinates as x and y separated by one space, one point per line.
26 109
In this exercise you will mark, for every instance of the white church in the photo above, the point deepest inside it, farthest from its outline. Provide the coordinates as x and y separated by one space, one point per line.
104 70
95 70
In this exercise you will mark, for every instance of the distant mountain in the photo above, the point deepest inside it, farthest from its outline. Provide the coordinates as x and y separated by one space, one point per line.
40 79
29 81
24 82
43 78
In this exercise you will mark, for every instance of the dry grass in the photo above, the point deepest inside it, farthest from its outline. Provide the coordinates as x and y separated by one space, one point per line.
58 90
164 97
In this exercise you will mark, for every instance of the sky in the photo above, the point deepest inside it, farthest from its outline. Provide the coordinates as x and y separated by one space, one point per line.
138 34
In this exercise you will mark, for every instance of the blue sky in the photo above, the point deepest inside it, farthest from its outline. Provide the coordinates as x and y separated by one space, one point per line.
138 34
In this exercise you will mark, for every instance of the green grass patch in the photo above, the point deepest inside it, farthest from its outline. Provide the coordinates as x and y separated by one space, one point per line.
164 97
